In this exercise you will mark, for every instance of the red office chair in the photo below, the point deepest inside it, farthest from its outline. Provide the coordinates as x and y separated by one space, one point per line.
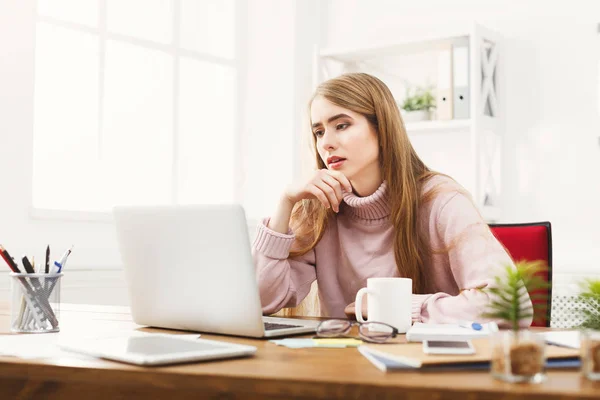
530 242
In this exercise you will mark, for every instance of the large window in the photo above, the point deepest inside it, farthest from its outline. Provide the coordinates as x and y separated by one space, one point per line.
136 102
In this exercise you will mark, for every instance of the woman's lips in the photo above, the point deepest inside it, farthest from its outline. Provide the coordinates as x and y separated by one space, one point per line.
337 164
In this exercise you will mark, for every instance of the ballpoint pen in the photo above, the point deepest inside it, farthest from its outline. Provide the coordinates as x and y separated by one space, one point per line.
47 265
57 269
63 259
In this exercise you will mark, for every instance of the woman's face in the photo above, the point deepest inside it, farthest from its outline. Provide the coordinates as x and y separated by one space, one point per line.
346 142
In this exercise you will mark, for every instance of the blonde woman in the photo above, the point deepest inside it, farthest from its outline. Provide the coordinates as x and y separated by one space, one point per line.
373 209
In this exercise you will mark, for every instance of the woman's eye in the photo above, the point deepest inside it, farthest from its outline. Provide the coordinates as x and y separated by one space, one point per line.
342 126
318 133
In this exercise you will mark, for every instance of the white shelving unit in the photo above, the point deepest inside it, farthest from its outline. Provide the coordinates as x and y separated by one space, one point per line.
437 125
480 136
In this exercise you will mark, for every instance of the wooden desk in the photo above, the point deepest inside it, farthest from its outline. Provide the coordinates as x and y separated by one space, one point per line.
274 372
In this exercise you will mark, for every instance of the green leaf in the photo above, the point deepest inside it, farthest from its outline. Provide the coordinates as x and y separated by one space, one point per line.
589 300
510 289
418 98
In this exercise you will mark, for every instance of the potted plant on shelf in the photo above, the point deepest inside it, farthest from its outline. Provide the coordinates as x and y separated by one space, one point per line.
518 355
418 104
589 310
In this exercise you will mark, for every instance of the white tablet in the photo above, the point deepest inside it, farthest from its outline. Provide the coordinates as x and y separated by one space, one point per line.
157 349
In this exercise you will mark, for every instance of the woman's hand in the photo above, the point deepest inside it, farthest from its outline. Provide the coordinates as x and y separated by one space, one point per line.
349 310
325 185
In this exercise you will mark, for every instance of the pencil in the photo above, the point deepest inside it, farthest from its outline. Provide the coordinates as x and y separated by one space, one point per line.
11 263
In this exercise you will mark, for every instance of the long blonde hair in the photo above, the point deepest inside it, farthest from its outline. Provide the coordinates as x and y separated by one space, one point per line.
401 167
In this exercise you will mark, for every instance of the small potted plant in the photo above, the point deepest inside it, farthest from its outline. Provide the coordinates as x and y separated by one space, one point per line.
518 355
418 104
589 309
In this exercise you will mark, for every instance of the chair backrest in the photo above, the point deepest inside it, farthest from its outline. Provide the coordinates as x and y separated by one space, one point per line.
530 242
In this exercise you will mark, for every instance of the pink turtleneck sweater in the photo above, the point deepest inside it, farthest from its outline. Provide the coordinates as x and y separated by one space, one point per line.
358 244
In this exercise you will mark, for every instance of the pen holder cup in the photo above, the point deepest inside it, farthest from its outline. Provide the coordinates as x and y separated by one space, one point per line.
35 302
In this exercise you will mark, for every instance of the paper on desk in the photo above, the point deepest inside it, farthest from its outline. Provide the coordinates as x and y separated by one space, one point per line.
327 343
562 338
343 342
42 345
45 345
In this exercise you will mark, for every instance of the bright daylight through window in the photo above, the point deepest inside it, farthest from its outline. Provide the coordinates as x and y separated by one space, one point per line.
132 100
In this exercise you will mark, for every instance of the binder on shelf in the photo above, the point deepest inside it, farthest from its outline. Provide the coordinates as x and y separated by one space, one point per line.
444 96
460 66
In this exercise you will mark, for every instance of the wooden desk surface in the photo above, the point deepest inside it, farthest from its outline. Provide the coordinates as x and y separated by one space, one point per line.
274 372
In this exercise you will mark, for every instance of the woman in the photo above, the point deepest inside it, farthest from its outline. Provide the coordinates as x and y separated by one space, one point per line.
373 209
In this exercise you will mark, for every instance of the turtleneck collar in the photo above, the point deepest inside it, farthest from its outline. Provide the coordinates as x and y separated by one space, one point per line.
375 206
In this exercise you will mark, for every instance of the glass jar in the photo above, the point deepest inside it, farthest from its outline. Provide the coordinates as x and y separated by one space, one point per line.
590 354
518 356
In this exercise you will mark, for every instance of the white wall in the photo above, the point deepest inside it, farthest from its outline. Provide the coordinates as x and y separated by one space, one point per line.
552 149
281 44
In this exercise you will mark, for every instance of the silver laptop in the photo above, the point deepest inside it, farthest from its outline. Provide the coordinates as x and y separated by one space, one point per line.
190 268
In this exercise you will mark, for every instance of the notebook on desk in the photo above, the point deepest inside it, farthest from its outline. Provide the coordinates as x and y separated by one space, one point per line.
387 364
190 268
411 356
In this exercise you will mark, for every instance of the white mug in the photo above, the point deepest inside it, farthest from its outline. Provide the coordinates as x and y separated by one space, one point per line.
390 301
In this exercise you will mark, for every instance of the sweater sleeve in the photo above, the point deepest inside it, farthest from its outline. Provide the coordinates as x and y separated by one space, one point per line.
283 281
475 257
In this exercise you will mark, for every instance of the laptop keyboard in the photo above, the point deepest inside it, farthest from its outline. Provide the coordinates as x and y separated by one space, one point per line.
269 326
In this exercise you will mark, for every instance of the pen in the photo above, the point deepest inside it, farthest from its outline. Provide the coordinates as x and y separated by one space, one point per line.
470 325
47 265
57 267
63 259
27 265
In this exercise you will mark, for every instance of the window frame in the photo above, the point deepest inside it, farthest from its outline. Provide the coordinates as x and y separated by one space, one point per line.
238 63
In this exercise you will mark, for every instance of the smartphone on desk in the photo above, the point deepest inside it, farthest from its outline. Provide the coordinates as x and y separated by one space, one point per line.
448 347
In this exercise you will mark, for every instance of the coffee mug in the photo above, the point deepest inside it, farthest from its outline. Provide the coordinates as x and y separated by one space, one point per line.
390 301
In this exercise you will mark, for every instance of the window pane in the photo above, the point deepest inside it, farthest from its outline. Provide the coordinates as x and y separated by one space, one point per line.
79 11
144 19
208 26
65 117
206 132
137 138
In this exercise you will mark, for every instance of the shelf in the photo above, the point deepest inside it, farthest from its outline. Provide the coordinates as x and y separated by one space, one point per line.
406 46
436 126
